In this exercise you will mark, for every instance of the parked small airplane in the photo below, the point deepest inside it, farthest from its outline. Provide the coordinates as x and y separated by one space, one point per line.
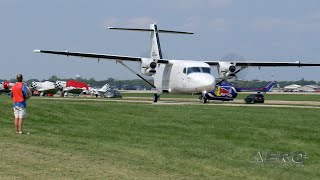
99 91
5 86
102 91
227 92
178 76
72 86
44 88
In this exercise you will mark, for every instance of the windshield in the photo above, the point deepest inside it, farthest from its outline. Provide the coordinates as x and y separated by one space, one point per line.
198 69
206 70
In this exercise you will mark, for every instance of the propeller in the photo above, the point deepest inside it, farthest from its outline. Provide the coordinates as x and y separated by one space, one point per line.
238 72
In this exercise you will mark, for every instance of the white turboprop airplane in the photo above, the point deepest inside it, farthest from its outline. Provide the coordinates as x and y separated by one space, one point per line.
177 76
44 88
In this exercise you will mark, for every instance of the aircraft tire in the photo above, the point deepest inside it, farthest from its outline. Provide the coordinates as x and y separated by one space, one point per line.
155 98
204 100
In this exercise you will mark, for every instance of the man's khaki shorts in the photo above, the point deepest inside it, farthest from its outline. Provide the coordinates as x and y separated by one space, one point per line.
19 112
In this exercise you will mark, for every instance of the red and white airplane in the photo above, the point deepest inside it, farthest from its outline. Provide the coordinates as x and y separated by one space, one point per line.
72 86
6 86
178 76
43 88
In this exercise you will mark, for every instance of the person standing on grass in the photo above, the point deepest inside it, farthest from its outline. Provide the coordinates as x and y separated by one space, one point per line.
19 93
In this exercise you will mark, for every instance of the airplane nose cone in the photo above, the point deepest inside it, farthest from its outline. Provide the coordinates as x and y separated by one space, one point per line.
207 83
203 81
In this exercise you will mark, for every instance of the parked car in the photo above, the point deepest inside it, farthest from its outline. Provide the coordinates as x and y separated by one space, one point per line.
113 94
254 98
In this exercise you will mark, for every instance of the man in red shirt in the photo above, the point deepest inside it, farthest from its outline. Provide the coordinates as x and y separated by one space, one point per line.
19 94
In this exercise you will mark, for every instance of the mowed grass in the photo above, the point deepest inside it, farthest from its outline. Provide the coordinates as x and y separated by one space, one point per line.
74 139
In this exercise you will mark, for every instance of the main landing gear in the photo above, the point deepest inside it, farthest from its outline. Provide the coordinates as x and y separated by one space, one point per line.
156 97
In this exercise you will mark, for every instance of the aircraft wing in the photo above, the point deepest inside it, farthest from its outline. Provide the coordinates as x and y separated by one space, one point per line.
263 64
164 61
97 56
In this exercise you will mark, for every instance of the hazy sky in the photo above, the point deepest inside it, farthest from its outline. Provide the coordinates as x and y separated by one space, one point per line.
270 30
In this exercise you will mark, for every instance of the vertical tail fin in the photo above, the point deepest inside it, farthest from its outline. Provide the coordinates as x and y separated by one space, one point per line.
104 88
269 87
155 43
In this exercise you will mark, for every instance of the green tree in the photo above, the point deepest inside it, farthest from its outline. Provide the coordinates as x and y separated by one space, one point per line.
53 78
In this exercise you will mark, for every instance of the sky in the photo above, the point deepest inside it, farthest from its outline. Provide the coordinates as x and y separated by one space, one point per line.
266 30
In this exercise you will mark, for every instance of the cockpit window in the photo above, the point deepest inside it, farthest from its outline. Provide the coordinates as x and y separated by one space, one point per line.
193 69
198 69
206 70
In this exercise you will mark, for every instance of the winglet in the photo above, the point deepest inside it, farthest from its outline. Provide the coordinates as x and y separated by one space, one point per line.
37 51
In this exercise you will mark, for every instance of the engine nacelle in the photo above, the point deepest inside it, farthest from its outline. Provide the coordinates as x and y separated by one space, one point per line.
148 66
227 70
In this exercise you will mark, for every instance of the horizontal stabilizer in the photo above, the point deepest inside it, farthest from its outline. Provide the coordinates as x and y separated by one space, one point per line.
151 30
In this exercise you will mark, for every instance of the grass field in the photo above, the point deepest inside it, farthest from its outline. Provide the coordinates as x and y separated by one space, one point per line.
72 139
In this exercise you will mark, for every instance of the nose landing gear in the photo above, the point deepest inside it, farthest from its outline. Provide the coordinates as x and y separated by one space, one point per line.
203 98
